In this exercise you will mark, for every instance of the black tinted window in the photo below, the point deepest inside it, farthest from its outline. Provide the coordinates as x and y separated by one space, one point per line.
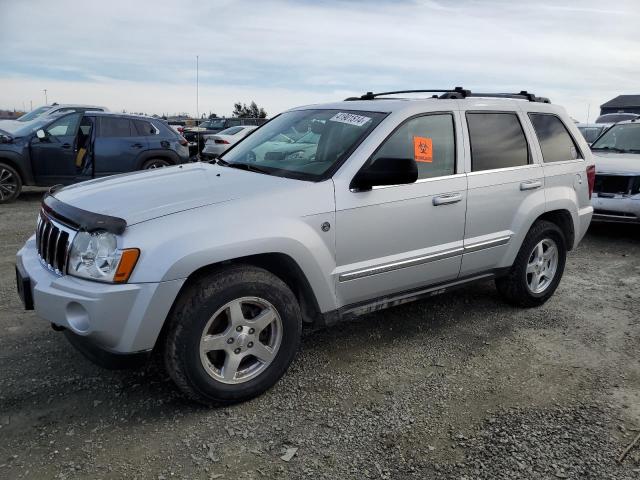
115 127
555 141
429 140
144 128
497 141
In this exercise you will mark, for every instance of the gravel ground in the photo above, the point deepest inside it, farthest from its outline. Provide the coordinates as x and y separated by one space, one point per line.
460 386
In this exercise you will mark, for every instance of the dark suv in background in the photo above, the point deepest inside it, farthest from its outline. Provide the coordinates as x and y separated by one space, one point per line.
79 146
197 136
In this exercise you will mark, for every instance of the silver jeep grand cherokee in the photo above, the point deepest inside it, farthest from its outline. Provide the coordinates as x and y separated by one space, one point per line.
324 213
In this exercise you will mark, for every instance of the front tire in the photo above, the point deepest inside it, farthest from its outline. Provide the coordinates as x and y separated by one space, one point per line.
538 267
231 335
10 183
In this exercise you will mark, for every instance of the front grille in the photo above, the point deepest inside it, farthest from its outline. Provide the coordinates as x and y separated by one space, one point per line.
617 184
52 242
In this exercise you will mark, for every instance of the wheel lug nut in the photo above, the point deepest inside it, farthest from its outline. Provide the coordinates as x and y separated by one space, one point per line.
251 331
230 340
250 344
238 329
237 350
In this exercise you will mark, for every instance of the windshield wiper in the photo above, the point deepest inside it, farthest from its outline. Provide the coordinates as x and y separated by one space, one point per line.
243 166
613 149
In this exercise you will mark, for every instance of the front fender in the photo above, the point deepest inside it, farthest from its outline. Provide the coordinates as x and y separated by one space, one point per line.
175 246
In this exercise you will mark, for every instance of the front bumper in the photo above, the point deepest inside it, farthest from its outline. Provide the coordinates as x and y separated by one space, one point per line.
619 209
120 319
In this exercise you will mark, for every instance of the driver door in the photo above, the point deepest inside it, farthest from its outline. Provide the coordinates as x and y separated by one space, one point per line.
53 157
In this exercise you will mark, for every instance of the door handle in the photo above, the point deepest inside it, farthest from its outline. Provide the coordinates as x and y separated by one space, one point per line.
531 185
136 145
66 145
447 199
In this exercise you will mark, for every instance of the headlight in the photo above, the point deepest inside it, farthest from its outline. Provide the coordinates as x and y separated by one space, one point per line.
96 256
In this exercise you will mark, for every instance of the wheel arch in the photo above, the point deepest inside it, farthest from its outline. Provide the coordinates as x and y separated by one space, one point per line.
564 220
25 176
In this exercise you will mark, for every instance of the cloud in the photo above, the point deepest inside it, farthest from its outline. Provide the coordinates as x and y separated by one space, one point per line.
141 55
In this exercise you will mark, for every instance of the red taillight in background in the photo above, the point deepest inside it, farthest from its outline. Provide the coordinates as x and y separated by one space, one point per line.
224 142
183 142
591 178
180 130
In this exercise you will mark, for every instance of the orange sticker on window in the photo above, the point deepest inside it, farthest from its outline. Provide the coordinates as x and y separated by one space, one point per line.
422 149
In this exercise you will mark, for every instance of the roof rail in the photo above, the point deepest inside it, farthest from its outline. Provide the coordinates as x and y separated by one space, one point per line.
456 93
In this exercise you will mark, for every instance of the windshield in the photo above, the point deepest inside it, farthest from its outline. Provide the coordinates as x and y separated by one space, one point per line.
210 124
33 114
620 138
303 144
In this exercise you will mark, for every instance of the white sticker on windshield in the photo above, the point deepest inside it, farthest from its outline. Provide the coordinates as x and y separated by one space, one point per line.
350 119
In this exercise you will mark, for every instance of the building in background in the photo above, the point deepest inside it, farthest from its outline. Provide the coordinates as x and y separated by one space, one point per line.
622 103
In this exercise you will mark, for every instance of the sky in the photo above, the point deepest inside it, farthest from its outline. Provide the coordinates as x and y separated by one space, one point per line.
140 56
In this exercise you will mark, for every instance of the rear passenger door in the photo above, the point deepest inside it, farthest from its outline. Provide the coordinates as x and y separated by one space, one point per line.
117 146
506 189
400 237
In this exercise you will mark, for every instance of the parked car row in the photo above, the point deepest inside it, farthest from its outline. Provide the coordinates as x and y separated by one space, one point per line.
72 147
197 136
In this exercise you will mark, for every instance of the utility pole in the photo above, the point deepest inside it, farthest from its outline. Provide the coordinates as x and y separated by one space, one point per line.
46 101
197 106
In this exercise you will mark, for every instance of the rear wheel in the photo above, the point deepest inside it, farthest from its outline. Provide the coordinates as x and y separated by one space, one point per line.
232 335
155 163
10 183
538 267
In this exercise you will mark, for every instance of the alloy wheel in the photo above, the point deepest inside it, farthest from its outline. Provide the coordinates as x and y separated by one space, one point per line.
8 184
241 340
542 266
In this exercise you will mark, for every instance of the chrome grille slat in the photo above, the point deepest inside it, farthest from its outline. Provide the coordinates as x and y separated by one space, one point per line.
53 241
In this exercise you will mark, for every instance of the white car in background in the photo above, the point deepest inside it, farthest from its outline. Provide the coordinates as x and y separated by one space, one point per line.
219 143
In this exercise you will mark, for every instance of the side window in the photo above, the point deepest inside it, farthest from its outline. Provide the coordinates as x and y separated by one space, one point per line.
429 140
65 126
555 141
144 129
497 141
115 127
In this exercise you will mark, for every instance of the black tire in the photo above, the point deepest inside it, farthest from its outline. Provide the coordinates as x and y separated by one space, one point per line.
514 286
155 163
191 314
10 183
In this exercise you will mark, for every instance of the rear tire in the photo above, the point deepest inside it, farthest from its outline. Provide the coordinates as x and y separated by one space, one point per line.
155 163
538 267
231 335
10 183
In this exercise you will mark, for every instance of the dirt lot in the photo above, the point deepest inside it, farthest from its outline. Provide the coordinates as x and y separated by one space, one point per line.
460 386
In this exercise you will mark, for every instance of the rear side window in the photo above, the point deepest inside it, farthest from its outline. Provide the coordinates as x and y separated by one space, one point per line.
115 127
144 129
555 141
429 140
497 141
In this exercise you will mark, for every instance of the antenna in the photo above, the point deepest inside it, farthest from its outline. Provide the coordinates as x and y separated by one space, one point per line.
197 106
46 101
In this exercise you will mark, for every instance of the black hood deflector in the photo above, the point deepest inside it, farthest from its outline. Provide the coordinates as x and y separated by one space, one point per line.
79 219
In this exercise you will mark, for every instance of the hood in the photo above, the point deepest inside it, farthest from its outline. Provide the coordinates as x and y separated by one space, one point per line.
620 163
140 196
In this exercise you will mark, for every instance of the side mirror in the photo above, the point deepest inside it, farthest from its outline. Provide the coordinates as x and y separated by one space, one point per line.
385 171
41 135
5 139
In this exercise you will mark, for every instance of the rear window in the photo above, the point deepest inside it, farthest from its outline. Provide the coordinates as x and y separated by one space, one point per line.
555 141
143 128
497 141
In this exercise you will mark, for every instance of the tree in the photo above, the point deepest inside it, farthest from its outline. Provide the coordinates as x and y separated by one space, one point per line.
240 110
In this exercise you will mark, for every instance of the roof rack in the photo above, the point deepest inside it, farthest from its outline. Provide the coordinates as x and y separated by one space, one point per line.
456 93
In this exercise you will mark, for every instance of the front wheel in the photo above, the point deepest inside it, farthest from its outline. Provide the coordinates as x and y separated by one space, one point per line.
10 183
231 335
538 267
